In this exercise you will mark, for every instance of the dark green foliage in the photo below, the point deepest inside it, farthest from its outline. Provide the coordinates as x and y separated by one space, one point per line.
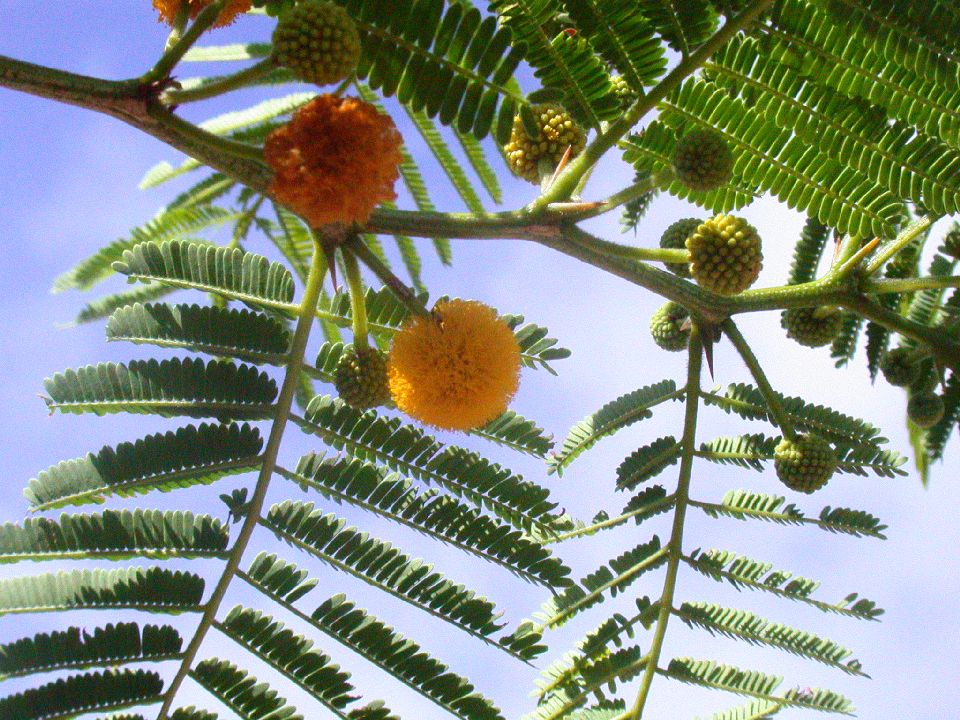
623 571
647 462
241 692
114 534
290 654
614 416
808 251
150 589
439 516
168 388
448 62
377 642
80 694
383 566
189 455
235 274
241 334
408 450
76 648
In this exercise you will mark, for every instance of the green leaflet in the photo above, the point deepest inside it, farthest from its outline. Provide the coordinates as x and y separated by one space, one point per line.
408 450
150 589
754 684
448 62
75 648
290 654
170 224
168 388
385 567
240 692
439 516
189 455
81 694
745 573
743 625
114 535
615 415
744 505
242 334
621 573
232 273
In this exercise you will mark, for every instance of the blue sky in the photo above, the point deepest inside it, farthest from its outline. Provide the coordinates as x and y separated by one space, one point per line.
69 187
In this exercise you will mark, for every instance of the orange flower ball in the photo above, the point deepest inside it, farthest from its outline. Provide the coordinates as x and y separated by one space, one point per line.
335 161
455 371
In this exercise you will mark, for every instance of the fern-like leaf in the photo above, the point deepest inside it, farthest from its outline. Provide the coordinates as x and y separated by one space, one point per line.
743 625
77 649
171 224
231 273
616 415
241 692
744 573
241 334
438 516
408 450
148 589
751 683
115 535
647 462
168 388
382 565
81 694
176 459
290 654
621 573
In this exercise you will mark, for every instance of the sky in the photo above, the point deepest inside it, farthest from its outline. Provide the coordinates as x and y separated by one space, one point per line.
69 187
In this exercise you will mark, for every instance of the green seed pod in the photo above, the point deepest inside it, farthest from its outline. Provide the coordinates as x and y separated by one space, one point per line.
812 327
805 464
361 378
558 131
899 366
925 409
318 41
675 238
725 254
666 327
702 160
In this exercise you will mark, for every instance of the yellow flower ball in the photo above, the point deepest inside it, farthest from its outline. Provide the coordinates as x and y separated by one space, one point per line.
457 370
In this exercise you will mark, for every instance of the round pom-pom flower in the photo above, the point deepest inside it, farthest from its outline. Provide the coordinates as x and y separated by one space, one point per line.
675 238
900 367
457 370
169 9
335 161
558 131
725 254
804 464
667 327
361 378
702 160
925 409
318 41
812 326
